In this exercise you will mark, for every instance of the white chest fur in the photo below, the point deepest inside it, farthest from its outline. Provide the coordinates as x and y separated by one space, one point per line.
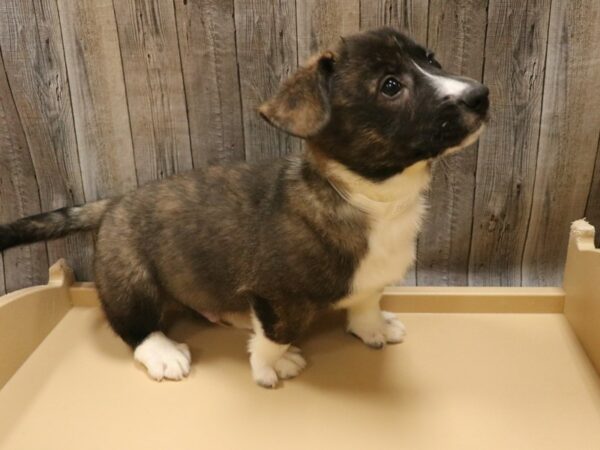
394 209
391 251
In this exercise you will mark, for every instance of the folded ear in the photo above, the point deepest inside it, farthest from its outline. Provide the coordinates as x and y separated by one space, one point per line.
301 107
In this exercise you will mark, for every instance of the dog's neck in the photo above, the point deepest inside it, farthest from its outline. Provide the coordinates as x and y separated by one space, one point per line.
402 189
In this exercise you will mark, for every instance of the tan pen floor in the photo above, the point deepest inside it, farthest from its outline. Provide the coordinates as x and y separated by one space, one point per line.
460 381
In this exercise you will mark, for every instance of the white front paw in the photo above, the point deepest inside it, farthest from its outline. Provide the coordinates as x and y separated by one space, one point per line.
163 358
375 333
395 331
289 365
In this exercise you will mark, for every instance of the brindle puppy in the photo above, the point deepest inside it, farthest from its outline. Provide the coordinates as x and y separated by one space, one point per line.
280 242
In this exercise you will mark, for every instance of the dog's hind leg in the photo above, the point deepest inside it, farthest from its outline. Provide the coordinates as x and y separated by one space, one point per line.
134 308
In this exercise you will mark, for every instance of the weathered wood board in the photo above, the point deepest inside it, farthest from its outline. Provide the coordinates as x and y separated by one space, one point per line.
514 71
19 193
570 128
154 85
267 55
206 33
32 48
444 243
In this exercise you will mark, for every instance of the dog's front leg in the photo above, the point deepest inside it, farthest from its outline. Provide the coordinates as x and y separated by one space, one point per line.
372 325
272 357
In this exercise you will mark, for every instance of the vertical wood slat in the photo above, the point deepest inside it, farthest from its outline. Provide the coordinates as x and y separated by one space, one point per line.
98 96
514 66
322 22
410 17
32 47
266 55
154 86
568 140
2 282
19 195
592 209
207 44
444 243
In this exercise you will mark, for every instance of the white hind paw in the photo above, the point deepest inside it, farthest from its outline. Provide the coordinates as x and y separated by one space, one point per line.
163 358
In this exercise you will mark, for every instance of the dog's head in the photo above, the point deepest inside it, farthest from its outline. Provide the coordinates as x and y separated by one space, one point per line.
379 103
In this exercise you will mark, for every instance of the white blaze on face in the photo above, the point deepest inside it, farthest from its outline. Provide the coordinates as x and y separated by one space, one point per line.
445 86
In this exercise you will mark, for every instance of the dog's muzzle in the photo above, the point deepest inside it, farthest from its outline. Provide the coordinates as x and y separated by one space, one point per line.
476 98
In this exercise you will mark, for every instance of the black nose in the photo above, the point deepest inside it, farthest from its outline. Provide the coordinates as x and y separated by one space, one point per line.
476 98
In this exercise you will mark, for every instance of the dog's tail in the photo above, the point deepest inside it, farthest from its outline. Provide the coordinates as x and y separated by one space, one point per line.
52 225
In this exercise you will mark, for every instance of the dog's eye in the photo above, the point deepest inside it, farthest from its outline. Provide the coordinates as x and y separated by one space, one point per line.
431 60
391 86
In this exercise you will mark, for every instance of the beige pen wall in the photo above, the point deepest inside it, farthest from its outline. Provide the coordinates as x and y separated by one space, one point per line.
100 96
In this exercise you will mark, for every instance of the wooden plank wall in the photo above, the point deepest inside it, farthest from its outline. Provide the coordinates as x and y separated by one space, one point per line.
100 96
515 52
